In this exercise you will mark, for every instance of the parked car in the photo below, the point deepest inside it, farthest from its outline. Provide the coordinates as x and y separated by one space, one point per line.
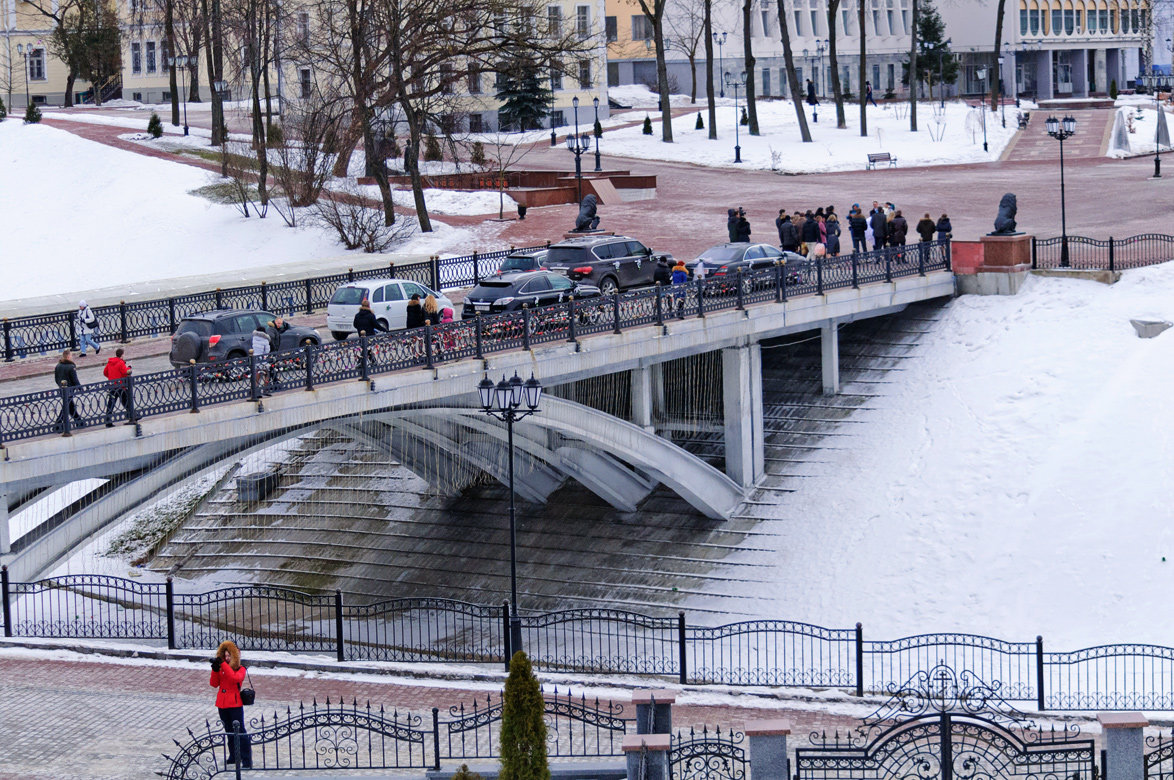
224 334
389 301
509 292
609 262
730 258
534 260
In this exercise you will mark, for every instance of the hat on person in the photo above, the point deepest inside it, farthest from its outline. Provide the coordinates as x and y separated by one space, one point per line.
81 304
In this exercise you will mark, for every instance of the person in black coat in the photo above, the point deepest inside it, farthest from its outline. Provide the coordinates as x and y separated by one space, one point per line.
945 229
742 228
811 99
662 273
925 228
415 318
858 227
898 229
809 232
275 330
880 228
65 374
788 235
365 322
731 223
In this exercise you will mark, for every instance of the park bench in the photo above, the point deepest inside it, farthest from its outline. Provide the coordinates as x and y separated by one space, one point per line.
1024 118
881 157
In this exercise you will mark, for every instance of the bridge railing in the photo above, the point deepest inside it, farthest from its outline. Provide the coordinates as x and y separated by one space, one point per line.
776 653
1112 254
65 409
41 334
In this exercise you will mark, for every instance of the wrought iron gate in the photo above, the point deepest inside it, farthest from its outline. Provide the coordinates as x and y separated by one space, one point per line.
947 726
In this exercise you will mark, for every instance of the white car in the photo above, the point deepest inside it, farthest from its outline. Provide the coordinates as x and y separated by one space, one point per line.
389 302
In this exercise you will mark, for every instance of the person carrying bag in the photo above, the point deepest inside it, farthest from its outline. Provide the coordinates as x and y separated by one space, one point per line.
227 676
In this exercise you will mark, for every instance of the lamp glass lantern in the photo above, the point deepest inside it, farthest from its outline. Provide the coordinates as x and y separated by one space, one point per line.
485 390
533 390
1052 125
516 390
504 395
1069 125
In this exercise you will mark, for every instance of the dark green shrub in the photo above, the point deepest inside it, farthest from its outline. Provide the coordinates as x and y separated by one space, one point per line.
464 774
523 728
700 123
745 120
647 125
598 130
477 155
3 110
155 125
1113 89
432 151
32 114
274 135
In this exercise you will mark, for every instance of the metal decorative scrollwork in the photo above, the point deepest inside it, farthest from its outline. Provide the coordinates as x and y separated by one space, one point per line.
708 756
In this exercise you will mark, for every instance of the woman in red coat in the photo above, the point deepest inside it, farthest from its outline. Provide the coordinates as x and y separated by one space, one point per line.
227 676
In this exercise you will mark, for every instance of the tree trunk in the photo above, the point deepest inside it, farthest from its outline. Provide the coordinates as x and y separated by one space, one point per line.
194 81
350 138
267 44
412 160
913 70
748 56
712 106
997 81
662 80
169 34
792 78
860 22
837 88
693 76
69 79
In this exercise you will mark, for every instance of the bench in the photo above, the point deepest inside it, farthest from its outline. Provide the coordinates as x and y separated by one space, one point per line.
881 157
1024 118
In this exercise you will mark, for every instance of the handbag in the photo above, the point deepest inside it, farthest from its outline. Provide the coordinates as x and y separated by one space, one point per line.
248 695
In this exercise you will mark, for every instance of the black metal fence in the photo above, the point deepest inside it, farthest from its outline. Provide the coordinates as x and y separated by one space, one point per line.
64 409
1114 254
40 334
596 641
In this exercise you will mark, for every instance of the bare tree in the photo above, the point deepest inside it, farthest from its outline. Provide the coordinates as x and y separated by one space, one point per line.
913 69
860 22
997 81
710 103
311 129
655 12
504 150
748 56
837 89
792 77
359 226
684 28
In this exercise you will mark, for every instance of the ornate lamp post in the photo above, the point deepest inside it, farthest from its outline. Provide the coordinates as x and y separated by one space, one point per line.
942 73
578 144
1060 130
220 87
720 41
503 401
820 47
182 62
981 75
27 51
1002 81
733 84
595 102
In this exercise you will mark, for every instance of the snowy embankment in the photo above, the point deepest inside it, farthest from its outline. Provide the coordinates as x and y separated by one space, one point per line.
945 136
1016 480
1139 113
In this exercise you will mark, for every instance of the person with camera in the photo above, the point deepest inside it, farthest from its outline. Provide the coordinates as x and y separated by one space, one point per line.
227 676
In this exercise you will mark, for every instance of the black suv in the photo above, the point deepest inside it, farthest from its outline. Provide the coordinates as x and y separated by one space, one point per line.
609 262
512 291
224 334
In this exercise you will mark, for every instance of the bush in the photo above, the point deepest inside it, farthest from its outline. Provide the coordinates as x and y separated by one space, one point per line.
647 125
464 774
745 120
477 155
432 151
700 123
890 94
3 110
155 125
523 727
598 129
32 114
1113 89
274 135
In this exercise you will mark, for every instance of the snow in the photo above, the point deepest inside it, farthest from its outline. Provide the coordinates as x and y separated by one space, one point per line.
1141 140
1015 481
949 136
640 96
448 201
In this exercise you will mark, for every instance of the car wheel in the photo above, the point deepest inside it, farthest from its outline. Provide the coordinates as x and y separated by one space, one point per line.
383 324
339 335
309 342
236 353
608 285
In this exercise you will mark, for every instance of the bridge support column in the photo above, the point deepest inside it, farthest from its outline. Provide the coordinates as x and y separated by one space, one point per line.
5 534
742 396
829 340
644 395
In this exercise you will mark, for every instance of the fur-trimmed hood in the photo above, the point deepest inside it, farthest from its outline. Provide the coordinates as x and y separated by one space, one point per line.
234 654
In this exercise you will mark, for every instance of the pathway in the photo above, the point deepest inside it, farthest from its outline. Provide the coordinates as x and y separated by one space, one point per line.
1088 143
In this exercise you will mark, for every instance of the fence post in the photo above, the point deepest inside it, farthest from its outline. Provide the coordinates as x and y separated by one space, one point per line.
193 380
659 304
237 727
122 322
526 327
1039 672
683 657
1111 263
338 641
819 276
170 316
1034 261
252 376
505 633
434 268
7 601
855 278
309 293
131 414
949 259
740 294
309 348
350 274
779 282
436 739
888 265
477 329
859 659
72 330
615 311
364 367
476 269
922 249
170 593
66 417
219 304
264 296
572 335
700 298
8 358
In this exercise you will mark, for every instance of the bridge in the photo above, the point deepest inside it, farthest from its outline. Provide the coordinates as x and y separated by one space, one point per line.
423 385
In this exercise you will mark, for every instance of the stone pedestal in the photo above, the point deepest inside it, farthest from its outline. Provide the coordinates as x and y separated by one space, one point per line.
1005 263
768 747
1124 743
1006 251
654 711
647 756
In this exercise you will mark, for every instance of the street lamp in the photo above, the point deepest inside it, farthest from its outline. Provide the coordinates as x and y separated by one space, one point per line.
820 46
182 62
733 84
578 144
596 132
942 72
503 401
720 41
981 75
1157 134
1002 81
27 51
1060 130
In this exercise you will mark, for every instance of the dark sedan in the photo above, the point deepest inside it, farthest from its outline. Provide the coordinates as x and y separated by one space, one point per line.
729 258
512 291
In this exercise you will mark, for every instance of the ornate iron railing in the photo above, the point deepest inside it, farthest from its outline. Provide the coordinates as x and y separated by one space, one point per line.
1113 254
706 755
591 641
66 409
40 334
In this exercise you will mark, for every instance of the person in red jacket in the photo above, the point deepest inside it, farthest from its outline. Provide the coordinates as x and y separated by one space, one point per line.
117 371
227 676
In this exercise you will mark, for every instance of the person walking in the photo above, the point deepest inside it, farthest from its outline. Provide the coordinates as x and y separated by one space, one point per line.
926 228
945 229
788 235
832 228
116 371
415 312
227 675
365 322
898 229
742 228
87 329
868 94
812 100
731 223
879 226
261 352
65 375
858 228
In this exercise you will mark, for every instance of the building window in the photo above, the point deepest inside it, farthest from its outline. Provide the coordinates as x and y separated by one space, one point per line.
876 25
1023 21
891 18
613 35
846 19
876 76
446 79
814 22
164 56
766 81
474 79
554 21
613 74
306 87
136 58
304 27
583 20
584 74
166 97
892 77
37 65
556 77
557 118
641 28
151 64
798 22
137 97
476 124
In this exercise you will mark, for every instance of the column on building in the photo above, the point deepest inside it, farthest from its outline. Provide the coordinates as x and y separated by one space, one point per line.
1045 89
1079 62
742 398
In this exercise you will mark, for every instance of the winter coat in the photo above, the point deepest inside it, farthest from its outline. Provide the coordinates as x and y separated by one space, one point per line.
833 237
945 229
66 371
926 228
857 225
228 680
662 274
415 318
87 321
260 342
274 334
731 222
115 369
810 231
742 230
879 226
811 101
365 322
446 314
680 275
823 231
898 228
789 236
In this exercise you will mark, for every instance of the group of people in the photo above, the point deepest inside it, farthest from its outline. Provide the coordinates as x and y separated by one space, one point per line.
800 231
885 225
116 371
418 314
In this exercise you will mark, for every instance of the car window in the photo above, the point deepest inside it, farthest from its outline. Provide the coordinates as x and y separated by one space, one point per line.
243 323
753 253
349 295
566 255
202 328
604 251
721 254
635 249
770 252
538 284
377 296
411 288
560 283
392 292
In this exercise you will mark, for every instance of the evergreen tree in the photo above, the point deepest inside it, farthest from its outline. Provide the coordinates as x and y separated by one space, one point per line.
598 130
477 154
155 125
745 120
932 50
432 151
1113 89
700 123
523 728
647 125
523 94
32 114
3 110
464 773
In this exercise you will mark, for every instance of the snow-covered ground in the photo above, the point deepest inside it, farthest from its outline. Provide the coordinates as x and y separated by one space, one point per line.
1016 480
952 135
1140 112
